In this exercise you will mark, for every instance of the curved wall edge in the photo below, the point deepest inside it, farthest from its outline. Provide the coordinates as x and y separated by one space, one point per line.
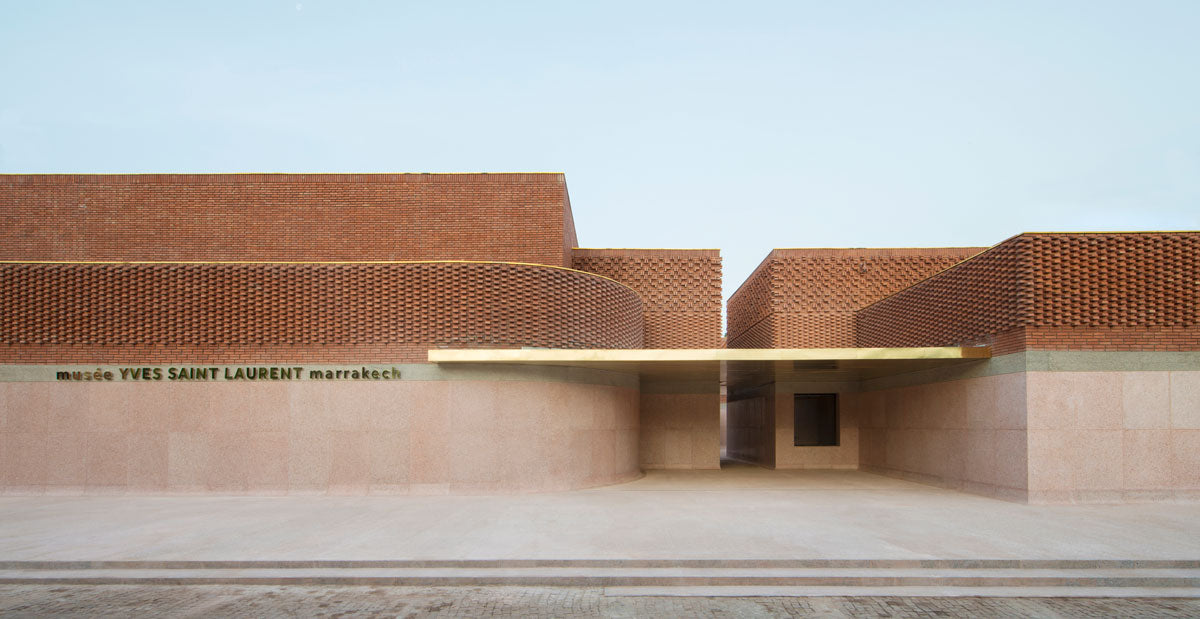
399 437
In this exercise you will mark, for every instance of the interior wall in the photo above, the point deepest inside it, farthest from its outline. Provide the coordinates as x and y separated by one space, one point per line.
338 437
680 430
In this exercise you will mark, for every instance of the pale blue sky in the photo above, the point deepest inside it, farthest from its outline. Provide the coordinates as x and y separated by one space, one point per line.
742 126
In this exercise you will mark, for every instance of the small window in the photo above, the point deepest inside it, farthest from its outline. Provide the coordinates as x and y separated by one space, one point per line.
816 420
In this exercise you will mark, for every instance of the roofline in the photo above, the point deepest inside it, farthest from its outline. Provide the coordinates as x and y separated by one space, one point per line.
1113 232
746 281
774 251
107 174
716 249
1013 238
871 248
218 178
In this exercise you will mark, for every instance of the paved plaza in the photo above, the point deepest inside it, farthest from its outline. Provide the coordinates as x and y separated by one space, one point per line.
740 512
330 556
327 601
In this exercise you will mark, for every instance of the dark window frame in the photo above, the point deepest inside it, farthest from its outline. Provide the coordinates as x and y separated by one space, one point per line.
825 422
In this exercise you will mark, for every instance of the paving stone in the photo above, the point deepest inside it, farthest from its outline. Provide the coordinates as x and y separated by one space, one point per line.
334 601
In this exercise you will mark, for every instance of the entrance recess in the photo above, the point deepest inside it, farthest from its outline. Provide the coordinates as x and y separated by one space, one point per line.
682 392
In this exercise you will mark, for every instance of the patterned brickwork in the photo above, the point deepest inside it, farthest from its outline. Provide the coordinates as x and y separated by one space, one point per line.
751 308
806 298
287 217
1090 280
85 313
681 290
759 335
1127 291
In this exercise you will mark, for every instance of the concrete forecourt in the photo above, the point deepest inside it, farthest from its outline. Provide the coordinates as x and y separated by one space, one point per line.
741 530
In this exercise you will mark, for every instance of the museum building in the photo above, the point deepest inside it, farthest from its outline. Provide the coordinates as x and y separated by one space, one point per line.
443 333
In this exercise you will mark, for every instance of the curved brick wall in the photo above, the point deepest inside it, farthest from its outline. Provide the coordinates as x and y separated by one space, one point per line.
1130 291
231 313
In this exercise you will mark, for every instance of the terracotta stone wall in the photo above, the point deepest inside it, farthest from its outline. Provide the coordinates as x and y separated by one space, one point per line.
356 313
1040 436
680 430
680 290
1112 437
399 437
844 455
967 434
1121 291
287 217
806 298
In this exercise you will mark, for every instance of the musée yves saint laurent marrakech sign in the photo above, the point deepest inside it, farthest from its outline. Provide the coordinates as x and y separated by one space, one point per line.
224 373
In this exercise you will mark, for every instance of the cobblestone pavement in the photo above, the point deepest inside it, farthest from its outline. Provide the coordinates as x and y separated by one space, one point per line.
339 601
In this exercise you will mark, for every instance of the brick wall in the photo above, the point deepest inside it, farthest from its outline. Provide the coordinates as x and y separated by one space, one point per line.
287 217
569 240
806 298
235 313
750 313
1120 291
680 290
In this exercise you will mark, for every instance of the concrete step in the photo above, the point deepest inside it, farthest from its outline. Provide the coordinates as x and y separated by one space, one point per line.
623 563
658 577
851 591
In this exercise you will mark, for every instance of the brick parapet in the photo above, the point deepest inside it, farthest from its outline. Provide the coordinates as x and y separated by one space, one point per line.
287 217
680 290
340 312
1061 291
806 298
750 308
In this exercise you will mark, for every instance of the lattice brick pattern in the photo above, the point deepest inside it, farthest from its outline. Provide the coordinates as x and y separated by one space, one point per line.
848 282
813 293
681 290
750 309
1053 291
313 305
1114 280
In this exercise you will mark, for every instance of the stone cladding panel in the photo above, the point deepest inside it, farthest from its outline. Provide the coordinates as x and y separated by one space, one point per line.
680 290
1112 291
333 312
286 217
806 298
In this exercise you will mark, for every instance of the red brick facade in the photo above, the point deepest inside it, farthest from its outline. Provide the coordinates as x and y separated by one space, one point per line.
272 267
260 313
806 298
1120 291
287 217
680 290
